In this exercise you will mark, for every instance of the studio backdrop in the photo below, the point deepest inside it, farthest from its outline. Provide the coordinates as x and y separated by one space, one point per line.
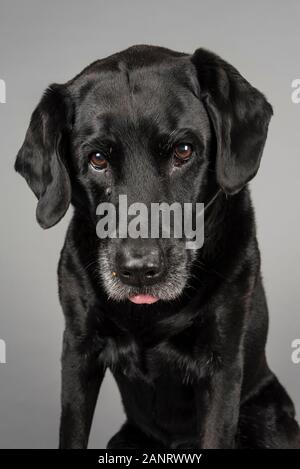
42 42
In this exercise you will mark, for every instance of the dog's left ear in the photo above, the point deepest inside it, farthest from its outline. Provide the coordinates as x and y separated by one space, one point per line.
240 115
41 158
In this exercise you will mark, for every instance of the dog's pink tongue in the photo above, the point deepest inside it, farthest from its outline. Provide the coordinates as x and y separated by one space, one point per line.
143 299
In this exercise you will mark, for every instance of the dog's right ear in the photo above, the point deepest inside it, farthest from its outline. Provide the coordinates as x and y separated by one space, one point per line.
240 115
40 159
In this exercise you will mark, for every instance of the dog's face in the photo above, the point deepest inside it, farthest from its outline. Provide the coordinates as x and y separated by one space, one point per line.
141 131
156 126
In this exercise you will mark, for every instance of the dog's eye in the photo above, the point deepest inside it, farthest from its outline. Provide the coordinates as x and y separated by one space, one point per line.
98 161
182 153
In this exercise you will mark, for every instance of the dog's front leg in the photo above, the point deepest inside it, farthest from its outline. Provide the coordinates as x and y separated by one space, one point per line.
81 380
218 403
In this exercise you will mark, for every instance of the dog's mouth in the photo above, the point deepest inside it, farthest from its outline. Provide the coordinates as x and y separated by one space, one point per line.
167 289
143 299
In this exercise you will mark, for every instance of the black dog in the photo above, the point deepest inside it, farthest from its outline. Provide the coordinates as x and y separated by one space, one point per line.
183 331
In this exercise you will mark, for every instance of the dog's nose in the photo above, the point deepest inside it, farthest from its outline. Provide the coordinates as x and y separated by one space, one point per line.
139 265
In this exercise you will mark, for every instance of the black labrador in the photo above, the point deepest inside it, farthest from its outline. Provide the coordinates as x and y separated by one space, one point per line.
183 331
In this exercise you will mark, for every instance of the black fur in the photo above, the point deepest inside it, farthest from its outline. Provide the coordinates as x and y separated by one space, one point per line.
191 368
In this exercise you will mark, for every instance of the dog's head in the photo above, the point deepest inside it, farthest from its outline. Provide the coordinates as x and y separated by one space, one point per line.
154 125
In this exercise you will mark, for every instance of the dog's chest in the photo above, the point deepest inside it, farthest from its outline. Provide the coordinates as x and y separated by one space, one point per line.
122 354
183 355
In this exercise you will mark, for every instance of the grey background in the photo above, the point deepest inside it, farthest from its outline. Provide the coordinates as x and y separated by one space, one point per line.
51 41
